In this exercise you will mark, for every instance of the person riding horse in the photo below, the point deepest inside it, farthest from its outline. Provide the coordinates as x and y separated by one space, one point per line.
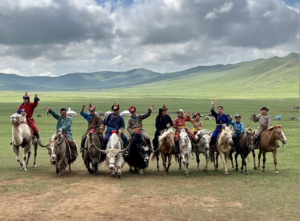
114 122
162 122
221 119
64 124
94 122
28 107
238 127
264 121
179 123
134 124
197 123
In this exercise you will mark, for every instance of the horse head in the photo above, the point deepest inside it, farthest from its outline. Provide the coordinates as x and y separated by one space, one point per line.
226 136
279 133
249 138
183 138
205 139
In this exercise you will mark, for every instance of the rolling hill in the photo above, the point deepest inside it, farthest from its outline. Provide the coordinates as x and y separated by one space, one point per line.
273 75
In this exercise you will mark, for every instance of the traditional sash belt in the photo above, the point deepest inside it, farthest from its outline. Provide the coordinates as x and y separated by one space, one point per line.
262 126
136 128
218 124
181 127
195 129
29 118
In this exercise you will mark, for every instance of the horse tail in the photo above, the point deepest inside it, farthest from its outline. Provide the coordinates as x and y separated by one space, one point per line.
211 156
176 158
153 157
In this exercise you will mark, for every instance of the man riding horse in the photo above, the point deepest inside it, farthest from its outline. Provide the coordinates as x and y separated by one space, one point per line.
163 121
114 122
134 123
178 124
197 123
264 121
94 122
238 127
64 123
28 107
221 119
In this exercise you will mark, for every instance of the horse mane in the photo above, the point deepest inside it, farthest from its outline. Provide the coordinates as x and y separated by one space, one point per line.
163 136
246 131
222 135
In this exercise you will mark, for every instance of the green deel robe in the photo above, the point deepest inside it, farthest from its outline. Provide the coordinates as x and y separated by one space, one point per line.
65 126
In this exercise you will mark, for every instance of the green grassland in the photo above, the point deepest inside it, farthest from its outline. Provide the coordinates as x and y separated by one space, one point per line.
259 196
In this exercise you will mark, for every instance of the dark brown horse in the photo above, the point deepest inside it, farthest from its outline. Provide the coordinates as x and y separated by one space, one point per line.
165 146
244 146
269 143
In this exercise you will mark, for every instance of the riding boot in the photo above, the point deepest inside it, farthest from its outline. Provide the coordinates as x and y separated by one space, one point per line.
149 144
37 135
211 145
82 145
233 148
176 148
255 145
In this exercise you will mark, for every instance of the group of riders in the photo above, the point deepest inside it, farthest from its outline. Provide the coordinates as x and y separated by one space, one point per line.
114 123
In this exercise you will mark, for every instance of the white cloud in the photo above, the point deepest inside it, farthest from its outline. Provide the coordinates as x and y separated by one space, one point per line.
11 71
226 7
48 74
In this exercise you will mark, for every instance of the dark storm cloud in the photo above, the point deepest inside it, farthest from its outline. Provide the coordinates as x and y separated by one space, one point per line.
60 22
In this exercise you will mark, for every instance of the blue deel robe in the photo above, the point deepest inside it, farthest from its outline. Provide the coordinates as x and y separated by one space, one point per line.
114 123
223 119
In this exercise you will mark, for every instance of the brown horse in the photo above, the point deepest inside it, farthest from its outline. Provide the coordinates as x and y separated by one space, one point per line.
222 148
269 143
165 146
244 146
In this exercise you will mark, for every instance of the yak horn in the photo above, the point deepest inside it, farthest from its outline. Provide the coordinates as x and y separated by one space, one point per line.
41 145
121 151
102 151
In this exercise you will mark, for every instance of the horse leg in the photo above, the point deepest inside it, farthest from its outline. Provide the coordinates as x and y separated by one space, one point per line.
212 155
164 164
236 162
198 161
28 157
254 165
259 155
206 159
169 162
217 161
275 161
179 162
224 163
245 163
157 159
231 159
243 158
187 165
16 151
264 162
35 154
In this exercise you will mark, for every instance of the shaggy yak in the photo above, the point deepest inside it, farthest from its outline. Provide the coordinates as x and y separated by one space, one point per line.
60 154
139 154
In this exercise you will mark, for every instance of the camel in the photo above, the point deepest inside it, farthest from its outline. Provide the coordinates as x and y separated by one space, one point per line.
21 136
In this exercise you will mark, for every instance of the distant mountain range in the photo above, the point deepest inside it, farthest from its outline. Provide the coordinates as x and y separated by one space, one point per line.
270 68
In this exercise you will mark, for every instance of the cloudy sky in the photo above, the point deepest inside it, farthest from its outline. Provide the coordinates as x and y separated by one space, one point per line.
54 37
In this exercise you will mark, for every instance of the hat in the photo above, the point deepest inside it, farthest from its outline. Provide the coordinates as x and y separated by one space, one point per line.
92 130
180 111
264 108
115 107
237 116
197 114
113 132
221 107
63 109
25 96
132 109
92 108
163 108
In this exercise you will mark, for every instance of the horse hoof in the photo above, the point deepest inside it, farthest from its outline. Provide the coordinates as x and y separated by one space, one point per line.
258 168
232 169
205 170
236 169
241 171
33 165
246 173
276 172
157 170
226 174
255 168
263 170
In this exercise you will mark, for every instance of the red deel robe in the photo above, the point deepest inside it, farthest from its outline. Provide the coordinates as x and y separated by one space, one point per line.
180 122
29 108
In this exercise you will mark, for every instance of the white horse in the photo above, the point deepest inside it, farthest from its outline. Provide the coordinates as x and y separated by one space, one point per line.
185 147
114 158
202 138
